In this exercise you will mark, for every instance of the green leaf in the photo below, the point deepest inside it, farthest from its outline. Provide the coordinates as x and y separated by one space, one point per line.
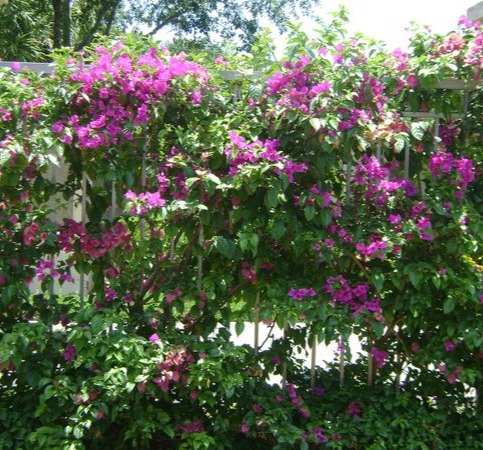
97 324
190 181
415 278
309 212
304 445
225 246
316 123
326 217
239 327
213 178
271 198
378 280
278 230
249 242
378 328
418 129
399 144
448 305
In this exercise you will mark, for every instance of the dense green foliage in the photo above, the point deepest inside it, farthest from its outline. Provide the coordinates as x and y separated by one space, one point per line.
301 197
30 29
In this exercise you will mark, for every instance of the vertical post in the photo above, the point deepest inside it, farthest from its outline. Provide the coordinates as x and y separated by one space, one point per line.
284 366
341 361
397 381
113 201
370 364
256 337
143 183
378 152
466 101
406 162
52 203
82 278
436 128
313 361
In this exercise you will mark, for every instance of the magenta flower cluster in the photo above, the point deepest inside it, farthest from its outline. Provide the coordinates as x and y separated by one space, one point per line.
95 246
380 356
380 187
173 369
144 201
301 294
296 88
461 170
356 297
118 89
241 153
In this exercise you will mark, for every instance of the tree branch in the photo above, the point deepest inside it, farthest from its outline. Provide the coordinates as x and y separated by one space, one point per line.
102 12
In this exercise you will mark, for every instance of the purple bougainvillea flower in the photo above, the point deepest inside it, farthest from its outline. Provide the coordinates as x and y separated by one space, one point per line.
154 338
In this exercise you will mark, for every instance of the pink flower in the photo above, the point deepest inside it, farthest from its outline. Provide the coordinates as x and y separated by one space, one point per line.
195 98
317 390
16 65
319 434
354 409
154 338
257 409
30 234
394 219
423 223
412 80
454 376
300 294
304 412
70 353
244 428
112 272
196 426
380 356
449 346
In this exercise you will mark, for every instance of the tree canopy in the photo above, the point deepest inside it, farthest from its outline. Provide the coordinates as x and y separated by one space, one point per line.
31 29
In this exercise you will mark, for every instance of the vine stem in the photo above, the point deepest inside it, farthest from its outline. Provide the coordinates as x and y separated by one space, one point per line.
199 281
270 330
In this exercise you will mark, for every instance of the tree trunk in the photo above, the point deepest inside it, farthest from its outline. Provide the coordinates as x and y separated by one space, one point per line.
66 25
57 29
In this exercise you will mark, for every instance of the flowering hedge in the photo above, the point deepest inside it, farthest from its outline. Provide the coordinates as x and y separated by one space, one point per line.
309 201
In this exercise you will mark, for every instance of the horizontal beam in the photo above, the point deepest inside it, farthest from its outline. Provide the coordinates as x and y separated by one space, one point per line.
460 85
30 66
450 83
430 115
